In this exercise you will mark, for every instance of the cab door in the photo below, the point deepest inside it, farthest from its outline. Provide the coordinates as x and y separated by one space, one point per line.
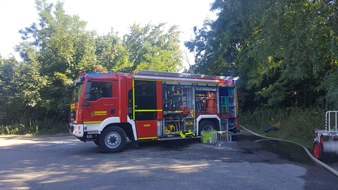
101 101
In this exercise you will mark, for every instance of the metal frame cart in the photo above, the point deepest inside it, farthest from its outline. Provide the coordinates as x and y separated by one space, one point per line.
326 141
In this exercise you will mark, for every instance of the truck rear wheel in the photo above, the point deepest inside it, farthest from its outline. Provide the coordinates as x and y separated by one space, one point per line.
113 139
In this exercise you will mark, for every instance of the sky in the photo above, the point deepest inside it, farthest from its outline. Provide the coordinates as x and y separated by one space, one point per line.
103 15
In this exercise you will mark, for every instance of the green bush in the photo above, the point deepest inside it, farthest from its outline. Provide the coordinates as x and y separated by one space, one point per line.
294 124
37 127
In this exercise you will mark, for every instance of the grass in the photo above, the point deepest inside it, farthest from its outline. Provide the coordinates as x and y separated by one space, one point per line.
295 124
35 127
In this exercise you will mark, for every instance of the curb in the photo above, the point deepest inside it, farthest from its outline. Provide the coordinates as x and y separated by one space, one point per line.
322 164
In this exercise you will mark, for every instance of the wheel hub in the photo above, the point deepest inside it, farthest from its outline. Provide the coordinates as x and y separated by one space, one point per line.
113 140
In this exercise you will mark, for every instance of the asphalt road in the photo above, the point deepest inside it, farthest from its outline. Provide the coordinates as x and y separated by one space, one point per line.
63 162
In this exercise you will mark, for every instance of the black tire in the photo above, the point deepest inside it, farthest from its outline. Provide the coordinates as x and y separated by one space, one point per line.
97 142
317 150
113 139
206 126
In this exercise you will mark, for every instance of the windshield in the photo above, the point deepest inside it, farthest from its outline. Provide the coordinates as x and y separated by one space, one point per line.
76 93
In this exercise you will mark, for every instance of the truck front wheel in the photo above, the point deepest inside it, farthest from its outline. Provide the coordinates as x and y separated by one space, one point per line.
113 139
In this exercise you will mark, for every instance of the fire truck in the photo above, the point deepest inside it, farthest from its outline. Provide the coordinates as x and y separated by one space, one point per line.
113 109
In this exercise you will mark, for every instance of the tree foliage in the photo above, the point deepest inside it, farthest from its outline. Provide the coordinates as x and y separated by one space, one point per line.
285 52
58 47
111 53
152 48
19 90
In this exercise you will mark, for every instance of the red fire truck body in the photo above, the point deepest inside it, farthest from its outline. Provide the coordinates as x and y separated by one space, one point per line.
114 108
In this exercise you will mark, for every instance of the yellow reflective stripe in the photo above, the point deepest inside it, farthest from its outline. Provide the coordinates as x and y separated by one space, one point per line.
92 122
149 80
159 110
147 138
133 87
100 112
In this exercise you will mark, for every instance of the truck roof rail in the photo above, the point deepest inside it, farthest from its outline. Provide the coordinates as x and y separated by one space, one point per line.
186 75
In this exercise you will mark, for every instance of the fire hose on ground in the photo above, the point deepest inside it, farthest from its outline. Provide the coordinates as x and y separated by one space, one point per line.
322 164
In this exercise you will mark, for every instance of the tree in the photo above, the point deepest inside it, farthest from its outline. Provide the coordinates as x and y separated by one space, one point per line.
291 53
284 51
9 89
19 91
153 48
60 47
112 53
218 43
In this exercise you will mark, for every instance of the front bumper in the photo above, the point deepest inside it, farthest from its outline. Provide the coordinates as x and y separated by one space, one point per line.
76 129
